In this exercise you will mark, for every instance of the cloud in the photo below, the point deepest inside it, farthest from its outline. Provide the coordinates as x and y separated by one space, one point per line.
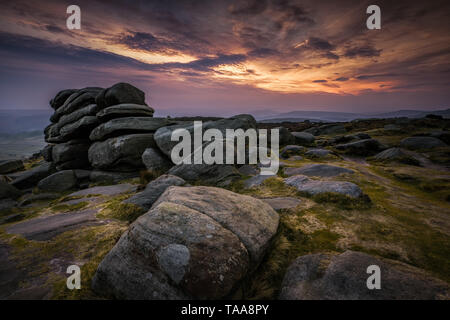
249 7
341 79
363 51
319 81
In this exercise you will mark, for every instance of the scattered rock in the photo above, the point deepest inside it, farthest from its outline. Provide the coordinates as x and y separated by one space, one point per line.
153 190
8 191
398 155
344 277
282 202
285 136
295 158
441 135
317 170
291 150
7 204
122 153
30 198
392 127
248 170
314 187
12 218
365 147
30 178
59 181
98 176
326 129
8 166
417 143
71 154
303 138
317 153
256 181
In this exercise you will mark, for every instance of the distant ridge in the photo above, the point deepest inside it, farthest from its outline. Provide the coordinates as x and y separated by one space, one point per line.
326 116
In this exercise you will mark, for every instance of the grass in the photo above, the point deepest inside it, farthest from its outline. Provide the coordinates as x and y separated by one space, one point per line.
116 209
69 207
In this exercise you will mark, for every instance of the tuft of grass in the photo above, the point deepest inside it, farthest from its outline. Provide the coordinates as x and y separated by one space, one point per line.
119 210
344 202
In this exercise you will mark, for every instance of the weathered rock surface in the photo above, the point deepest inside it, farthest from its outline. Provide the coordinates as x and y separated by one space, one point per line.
303 138
61 97
365 147
195 242
153 190
59 181
216 174
89 110
417 143
285 136
8 191
81 98
128 125
155 161
344 277
317 170
30 178
125 110
122 153
98 176
78 129
120 93
314 187
248 170
106 190
281 203
46 153
8 166
7 204
71 155
398 155
45 228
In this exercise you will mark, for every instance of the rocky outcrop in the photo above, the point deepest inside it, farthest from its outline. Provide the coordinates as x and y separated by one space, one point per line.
59 181
344 277
397 155
29 178
326 129
418 143
215 174
317 170
8 191
8 166
366 147
291 150
303 138
195 243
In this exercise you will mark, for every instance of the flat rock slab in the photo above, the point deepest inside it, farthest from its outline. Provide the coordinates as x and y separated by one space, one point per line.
256 181
45 228
314 187
282 202
106 190
317 170
77 201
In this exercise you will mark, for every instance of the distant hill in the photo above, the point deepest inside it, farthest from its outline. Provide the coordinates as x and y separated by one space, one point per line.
18 121
325 116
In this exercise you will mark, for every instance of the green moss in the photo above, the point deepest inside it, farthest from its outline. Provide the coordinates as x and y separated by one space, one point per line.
119 210
343 201
69 207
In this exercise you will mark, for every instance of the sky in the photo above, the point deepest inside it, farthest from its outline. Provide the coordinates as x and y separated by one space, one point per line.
214 57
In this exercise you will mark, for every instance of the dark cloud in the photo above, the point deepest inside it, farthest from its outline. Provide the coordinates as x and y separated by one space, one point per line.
320 81
263 52
319 44
341 79
367 51
148 42
249 7
372 76
331 55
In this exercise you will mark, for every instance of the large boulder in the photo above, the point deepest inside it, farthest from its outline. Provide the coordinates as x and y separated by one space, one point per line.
122 153
163 135
8 191
285 136
118 94
215 174
317 153
195 243
316 187
317 170
98 176
8 166
46 152
418 143
61 97
59 181
153 190
303 138
366 147
344 277
155 161
125 110
30 178
72 154
128 125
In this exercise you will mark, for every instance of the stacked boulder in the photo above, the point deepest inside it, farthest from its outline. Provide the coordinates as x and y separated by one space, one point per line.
105 129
